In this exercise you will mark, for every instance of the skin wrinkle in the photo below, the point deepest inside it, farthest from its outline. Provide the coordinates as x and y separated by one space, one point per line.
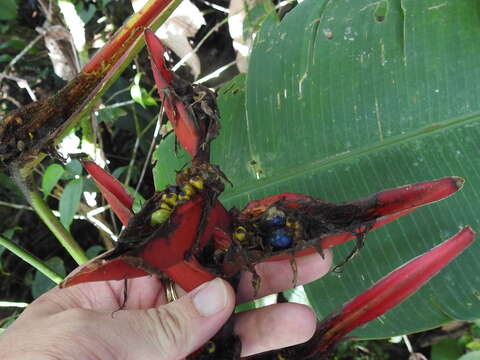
127 335
255 327
273 275
168 332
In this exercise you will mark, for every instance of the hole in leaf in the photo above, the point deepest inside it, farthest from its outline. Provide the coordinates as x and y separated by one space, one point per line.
328 33
381 11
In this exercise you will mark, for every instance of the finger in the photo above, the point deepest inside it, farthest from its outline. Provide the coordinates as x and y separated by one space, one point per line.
277 276
274 327
170 331
141 293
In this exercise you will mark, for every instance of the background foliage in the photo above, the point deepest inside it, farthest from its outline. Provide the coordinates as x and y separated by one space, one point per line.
342 99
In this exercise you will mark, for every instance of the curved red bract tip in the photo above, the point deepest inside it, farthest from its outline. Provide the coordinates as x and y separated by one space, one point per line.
157 51
184 125
390 290
115 193
405 197
98 269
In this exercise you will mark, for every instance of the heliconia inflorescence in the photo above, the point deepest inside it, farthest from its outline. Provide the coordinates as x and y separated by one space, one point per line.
185 233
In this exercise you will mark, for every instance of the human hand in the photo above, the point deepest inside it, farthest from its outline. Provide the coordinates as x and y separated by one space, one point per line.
83 322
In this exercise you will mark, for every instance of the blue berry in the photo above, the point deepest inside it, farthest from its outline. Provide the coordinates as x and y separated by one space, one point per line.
280 239
277 221
172 189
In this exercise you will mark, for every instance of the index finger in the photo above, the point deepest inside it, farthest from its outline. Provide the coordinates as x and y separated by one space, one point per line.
276 276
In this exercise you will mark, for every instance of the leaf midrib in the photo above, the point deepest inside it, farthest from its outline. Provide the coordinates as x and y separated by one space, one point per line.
299 171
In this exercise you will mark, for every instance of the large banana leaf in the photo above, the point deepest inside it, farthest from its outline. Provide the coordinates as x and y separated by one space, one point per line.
345 98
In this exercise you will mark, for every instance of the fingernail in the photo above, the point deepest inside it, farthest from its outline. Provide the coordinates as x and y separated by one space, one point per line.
211 298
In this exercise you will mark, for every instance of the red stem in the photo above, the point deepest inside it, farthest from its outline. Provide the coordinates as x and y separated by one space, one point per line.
125 36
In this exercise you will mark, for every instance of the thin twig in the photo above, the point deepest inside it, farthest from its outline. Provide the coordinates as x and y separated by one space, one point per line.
12 100
13 304
115 94
22 83
119 104
216 7
216 73
89 216
101 226
98 210
200 43
146 128
135 148
23 52
15 206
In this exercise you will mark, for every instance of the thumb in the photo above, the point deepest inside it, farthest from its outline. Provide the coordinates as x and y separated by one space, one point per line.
171 331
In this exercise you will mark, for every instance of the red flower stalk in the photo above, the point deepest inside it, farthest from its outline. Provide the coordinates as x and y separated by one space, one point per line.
183 123
25 133
190 108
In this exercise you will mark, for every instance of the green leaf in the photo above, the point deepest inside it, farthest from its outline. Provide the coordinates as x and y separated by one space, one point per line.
86 14
136 94
70 201
447 349
8 10
340 105
110 114
297 295
138 199
73 169
41 283
147 99
50 178
94 250
167 162
7 184
14 44
230 148
5 58
7 234
139 94
474 355
476 329
118 172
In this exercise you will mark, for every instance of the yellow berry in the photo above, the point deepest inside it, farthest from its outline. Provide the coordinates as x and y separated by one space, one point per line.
165 206
292 224
197 181
240 233
170 199
188 189
183 197
211 347
160 216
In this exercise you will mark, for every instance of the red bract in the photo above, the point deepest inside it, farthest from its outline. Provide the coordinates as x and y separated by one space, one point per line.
393 288
163 254
381 297
183 123
185 233
113 191
373 211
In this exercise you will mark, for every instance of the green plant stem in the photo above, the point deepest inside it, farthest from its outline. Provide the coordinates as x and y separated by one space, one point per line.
56 227
31 259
